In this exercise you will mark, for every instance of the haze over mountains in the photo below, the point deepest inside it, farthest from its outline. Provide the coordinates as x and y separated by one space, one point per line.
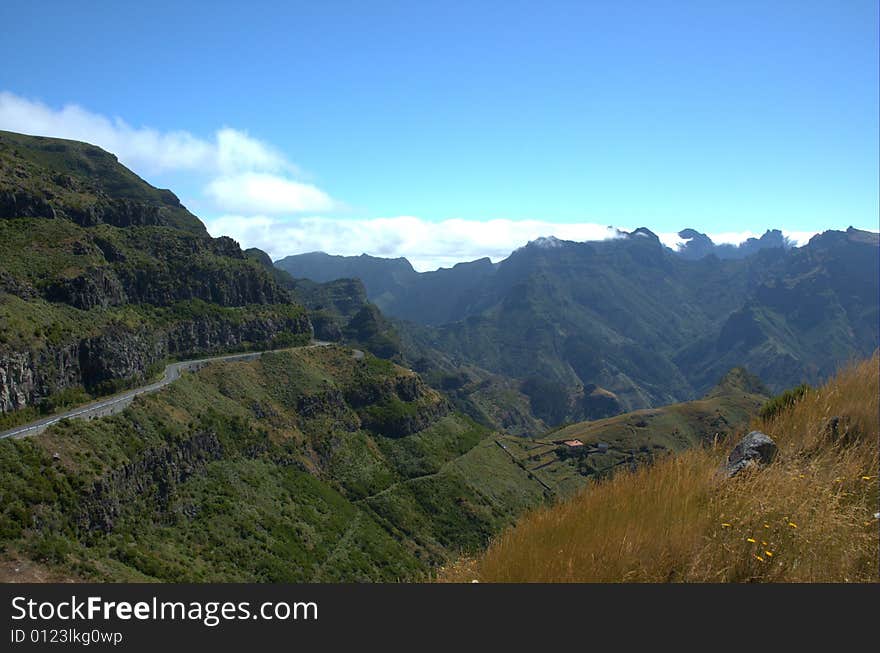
305 464
629 317
398 447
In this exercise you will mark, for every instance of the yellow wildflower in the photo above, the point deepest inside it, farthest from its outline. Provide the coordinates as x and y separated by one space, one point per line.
792 524
760 558
750 539
769 554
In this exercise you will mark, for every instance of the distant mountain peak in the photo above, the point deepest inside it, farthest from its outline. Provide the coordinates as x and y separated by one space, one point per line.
739 379
643 232
546 242
696 245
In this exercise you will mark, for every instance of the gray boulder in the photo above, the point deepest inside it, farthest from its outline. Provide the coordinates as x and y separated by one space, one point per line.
755 449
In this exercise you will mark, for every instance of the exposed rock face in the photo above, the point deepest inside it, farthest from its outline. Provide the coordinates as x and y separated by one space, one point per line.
153 475
326 327
208 335
329 403
402 408
119 353
399 426
116 212
26 376
755 449
96 287
91 235
17 287
21 204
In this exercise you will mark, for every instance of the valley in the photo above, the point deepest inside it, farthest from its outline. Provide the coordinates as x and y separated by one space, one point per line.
584 330
348 419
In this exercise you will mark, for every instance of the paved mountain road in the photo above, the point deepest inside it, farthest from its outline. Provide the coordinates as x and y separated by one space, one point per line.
117 403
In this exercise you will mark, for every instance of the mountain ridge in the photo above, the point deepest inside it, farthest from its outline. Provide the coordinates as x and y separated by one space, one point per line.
104 277
647 324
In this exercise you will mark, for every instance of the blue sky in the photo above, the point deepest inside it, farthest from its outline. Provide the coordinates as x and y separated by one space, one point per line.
446 131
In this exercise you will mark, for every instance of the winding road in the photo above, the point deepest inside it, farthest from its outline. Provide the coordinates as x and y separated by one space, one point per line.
118 402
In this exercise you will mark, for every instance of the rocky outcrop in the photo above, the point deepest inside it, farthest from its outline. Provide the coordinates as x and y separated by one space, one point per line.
327 327
330 404
19 203
118 354
397 407
26 376
17 287
121 354
119 212
96 287
754 450
116 212
391 423
152 477
215 335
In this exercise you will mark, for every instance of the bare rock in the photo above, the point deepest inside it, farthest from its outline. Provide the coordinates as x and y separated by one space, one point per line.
756 449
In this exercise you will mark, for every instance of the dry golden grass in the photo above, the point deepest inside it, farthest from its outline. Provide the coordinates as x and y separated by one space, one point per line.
808 517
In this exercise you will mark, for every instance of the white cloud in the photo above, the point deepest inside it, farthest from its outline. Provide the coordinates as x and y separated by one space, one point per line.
674 241
254 192
246 174
241 175
236 151
427 245
738 237
800 238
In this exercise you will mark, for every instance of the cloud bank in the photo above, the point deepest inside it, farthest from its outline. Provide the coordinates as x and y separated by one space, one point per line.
257 191
244 174
428 245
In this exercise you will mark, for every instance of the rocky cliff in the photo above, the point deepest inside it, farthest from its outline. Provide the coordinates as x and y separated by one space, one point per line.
120 356
102 277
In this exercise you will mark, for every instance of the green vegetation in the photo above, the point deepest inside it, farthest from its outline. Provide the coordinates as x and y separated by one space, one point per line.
81 177
322 464
640 437
104 278
271 470
782 402
645 324
809 516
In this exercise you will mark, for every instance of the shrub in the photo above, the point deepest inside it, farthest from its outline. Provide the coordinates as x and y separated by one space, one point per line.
783 401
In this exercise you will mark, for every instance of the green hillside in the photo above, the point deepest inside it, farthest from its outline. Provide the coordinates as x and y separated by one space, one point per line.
306 465
103 277
808 516
630 440
588 329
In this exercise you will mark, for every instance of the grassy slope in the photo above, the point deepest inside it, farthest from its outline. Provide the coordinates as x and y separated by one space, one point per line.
285 493
39 164
170 267
809 516
640 436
